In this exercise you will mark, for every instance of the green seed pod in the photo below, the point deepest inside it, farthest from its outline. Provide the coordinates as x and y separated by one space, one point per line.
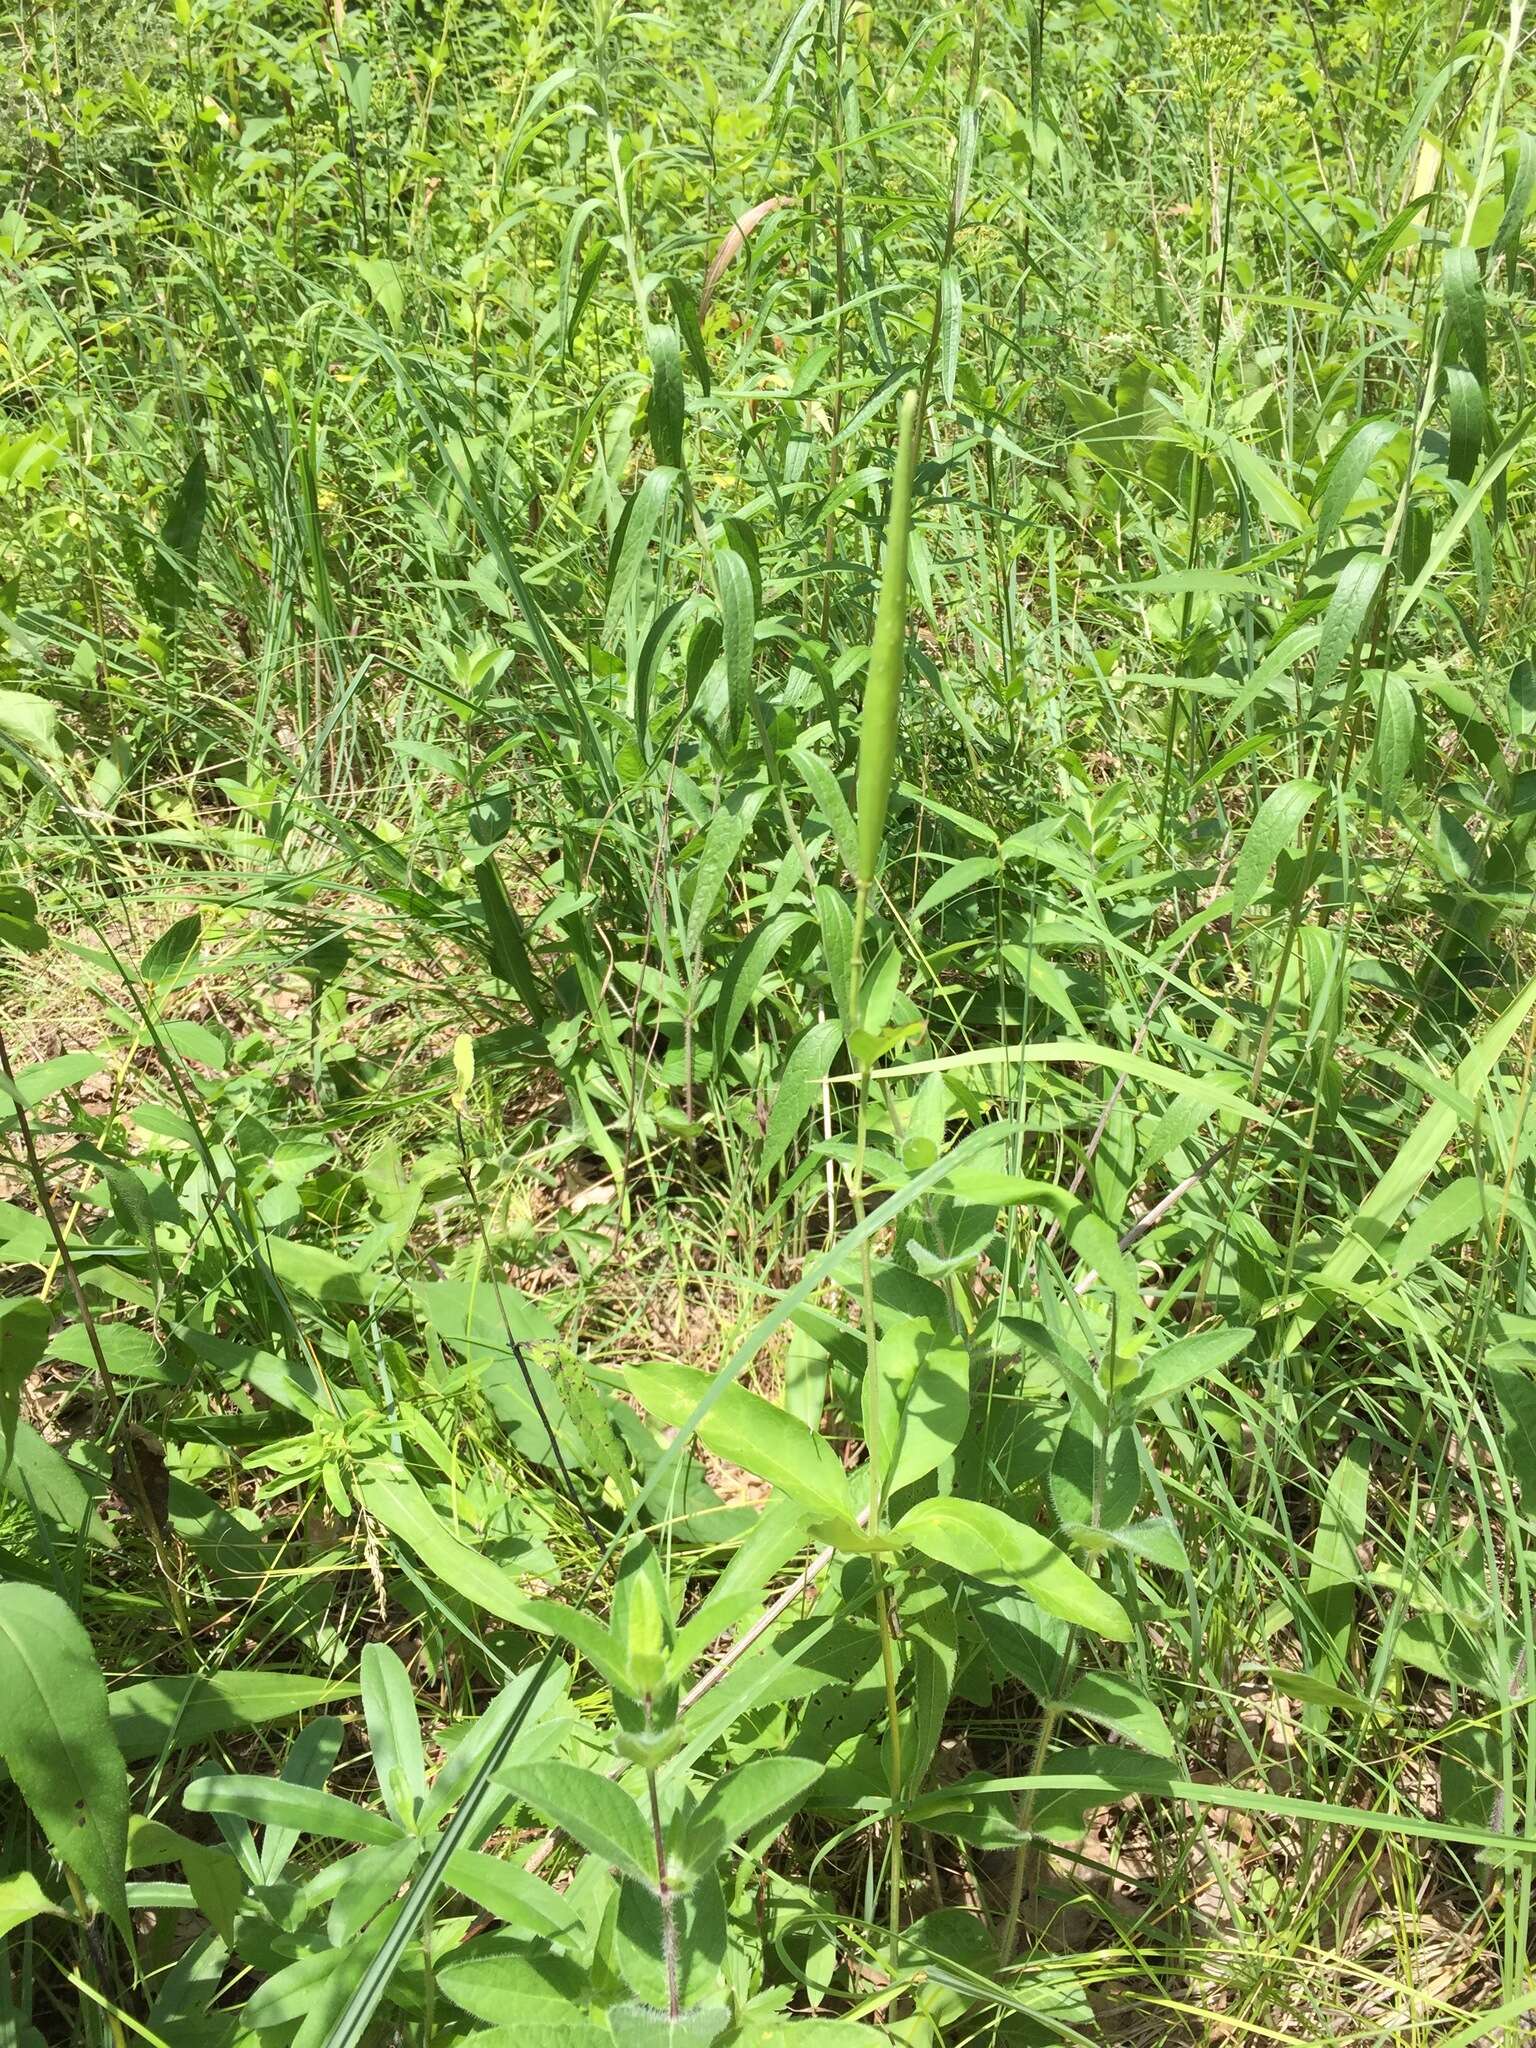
882 690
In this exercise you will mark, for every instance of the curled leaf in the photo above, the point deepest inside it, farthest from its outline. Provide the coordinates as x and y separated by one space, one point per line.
735 241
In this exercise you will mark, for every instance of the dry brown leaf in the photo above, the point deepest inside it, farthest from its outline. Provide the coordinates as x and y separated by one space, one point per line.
735 241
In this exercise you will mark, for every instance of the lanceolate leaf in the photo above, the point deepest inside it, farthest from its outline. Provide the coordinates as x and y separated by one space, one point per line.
1347 616
173 582
642 518
592 1810
987 1544
744 973
156 1716
799 1090
744 1799
24 1327
1348 468
1335 1570
508 947
1464 306
281 1803
22 1898
1273 830
666 414
56 1739
733 583
394 1730
750 1432
399 1503
1112 1701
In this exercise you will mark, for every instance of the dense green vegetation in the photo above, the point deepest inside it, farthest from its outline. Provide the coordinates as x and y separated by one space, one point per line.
767 1201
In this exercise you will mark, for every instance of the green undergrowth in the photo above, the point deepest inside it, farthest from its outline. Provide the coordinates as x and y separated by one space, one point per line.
767 1024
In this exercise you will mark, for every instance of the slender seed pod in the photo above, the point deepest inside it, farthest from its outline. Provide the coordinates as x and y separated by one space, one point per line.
882 690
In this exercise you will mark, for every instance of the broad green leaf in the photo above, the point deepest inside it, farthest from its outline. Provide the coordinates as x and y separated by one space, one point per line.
312 1989
951 306
173 581
1452 1215
750 1432
1112 1701
930 1631
1154 1538
55 1491
1468 509
175 950
743 976
30 723
472 1316
217 1882
826 789
799 1090
636 2025
24 1327
1178 1365
733 586
519 1722
312 1270
986 1544
637 529
1348 466
20 928
592 1810
282 1803
509 955
56 1739
586 1634
880 718
916 1401
721 843
22 1898
395 1499
1272 833
158 1716
1095 1487
1468 411
1089 1235
1274 501
961 877
371 1879
394 1731
1392 744
777 1532
530 1993
742 1800
39 1083
516 1898
1347 616
665 416
1519 189
1464 305
1334 1574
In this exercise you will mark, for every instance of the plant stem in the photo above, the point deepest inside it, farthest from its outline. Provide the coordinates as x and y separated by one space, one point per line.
873 1419
663 1887
1007 1941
